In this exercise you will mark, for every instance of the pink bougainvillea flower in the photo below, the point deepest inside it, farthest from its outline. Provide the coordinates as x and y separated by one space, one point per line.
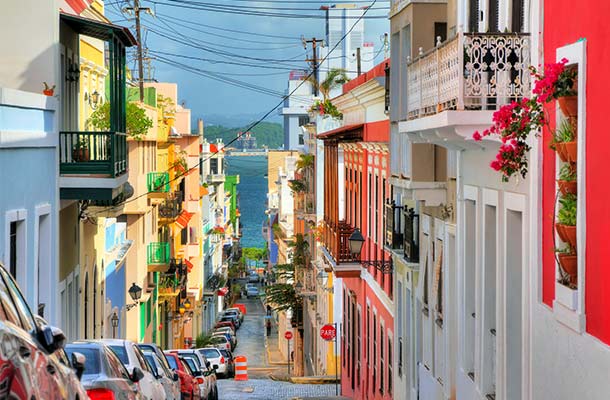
477 136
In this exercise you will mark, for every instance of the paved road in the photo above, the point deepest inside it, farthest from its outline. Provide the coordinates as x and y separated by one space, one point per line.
251 343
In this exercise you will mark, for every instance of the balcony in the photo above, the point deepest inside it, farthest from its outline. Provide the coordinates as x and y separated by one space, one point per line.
473 72
411 235
215 178
93 165
337 251
158 256
305 204
157 184
170 209
393 232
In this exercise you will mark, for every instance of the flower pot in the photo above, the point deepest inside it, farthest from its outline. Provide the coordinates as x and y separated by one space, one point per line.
571 149
570 234
569 265
568 105
48 92
80 155
566 187
561 232
560 148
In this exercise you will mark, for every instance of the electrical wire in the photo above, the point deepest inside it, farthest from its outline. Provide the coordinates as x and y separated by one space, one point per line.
249 7
253 125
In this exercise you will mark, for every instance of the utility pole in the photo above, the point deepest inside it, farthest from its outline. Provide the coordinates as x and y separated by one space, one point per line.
358 62
314 62
136 9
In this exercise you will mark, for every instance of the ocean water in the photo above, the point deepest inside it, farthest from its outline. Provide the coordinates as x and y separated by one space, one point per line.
252 192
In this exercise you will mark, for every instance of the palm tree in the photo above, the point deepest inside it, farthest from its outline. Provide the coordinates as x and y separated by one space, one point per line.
335 78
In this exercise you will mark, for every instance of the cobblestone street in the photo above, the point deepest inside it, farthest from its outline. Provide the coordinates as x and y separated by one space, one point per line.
267 389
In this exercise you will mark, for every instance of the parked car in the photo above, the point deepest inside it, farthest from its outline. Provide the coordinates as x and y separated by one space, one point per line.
104 376
227 333
233 318
189 388
226 322
131 356
236 313
215 357
230 361
26 348
168 379
157 350
252 292
253 277
202 370
239 312
220 342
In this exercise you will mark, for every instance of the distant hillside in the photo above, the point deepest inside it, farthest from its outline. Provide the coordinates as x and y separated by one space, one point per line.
268 134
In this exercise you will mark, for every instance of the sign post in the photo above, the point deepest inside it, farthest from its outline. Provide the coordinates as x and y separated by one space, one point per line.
329 332
288 336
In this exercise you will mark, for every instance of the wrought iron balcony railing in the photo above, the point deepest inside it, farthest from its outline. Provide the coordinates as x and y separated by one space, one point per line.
411 235
393 231
157 182
336 241
93 153
469 72
171 208
158 253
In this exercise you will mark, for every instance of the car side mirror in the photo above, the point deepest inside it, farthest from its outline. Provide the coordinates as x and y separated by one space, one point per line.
215 367
53 338
197 373
176 377
207 364
78 363
136 375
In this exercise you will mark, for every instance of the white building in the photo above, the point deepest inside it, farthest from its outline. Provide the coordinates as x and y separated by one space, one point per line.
465 290
295 109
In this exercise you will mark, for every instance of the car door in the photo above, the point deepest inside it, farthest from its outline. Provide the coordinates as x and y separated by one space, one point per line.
156 389
34 372
168 377
123 386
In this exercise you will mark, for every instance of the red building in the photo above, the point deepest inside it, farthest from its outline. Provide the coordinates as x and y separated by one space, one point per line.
356 187
572 322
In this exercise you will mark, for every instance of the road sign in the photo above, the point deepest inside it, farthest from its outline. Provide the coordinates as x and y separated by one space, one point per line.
288 335
328 332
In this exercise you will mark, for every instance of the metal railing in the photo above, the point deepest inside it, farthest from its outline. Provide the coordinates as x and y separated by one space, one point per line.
93 153
470 71
157 182
411 235
158 253
171 208
336 241
393 231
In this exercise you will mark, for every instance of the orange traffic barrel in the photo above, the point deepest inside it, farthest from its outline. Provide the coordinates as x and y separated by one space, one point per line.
241 368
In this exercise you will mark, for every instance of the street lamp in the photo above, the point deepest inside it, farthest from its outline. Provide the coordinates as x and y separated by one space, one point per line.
114 320
181 309
356 240
136 293
187 304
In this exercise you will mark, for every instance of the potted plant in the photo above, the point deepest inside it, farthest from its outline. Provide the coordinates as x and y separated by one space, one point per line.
568 262
566 219
80 150
558 82
564 142
48 90
567 179
297 186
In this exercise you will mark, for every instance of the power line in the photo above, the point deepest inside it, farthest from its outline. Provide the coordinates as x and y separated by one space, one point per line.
253 125
249 7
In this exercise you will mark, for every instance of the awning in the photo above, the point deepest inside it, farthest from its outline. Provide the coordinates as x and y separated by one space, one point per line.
189 265
183 219
203 191
223 291
347 132
99 30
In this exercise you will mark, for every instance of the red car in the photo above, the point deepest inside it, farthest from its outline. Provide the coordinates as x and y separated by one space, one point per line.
225 323
189 387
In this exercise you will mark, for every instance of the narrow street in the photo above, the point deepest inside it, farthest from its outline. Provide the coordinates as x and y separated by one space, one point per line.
251 343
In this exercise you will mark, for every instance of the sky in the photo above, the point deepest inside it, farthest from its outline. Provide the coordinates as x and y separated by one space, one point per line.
200 45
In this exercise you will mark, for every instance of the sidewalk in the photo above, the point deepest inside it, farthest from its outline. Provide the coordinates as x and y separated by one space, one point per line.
274 355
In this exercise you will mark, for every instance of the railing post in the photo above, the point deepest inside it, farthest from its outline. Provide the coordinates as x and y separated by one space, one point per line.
461 76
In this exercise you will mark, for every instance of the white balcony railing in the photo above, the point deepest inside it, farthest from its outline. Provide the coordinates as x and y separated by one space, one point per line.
473 71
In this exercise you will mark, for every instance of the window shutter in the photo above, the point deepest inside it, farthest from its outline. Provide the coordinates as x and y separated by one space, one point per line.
438 281
493 20
518 17
473 16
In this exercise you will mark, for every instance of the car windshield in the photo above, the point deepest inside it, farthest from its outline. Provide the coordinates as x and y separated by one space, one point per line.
92 359
121 353
172 362
210 353
219 339
151 362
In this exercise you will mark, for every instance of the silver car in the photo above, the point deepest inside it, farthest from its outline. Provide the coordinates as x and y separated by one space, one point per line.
131 356
104 374
205 371
217 360
167 378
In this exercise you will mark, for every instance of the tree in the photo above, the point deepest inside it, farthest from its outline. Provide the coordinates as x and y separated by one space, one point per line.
282 295
335 78
138 122
304 161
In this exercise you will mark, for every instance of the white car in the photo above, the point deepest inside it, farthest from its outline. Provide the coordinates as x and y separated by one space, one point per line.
252 292
169 379
131 356
215 357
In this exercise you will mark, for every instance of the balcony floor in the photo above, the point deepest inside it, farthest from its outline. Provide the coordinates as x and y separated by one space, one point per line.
90 187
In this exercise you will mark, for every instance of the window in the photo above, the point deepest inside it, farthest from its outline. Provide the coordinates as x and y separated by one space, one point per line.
368 335
438 283
376 223
390 361
358 345
382 360
473 16
374 352
370 190
303 120
213 166
301 139
440 31
13 249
